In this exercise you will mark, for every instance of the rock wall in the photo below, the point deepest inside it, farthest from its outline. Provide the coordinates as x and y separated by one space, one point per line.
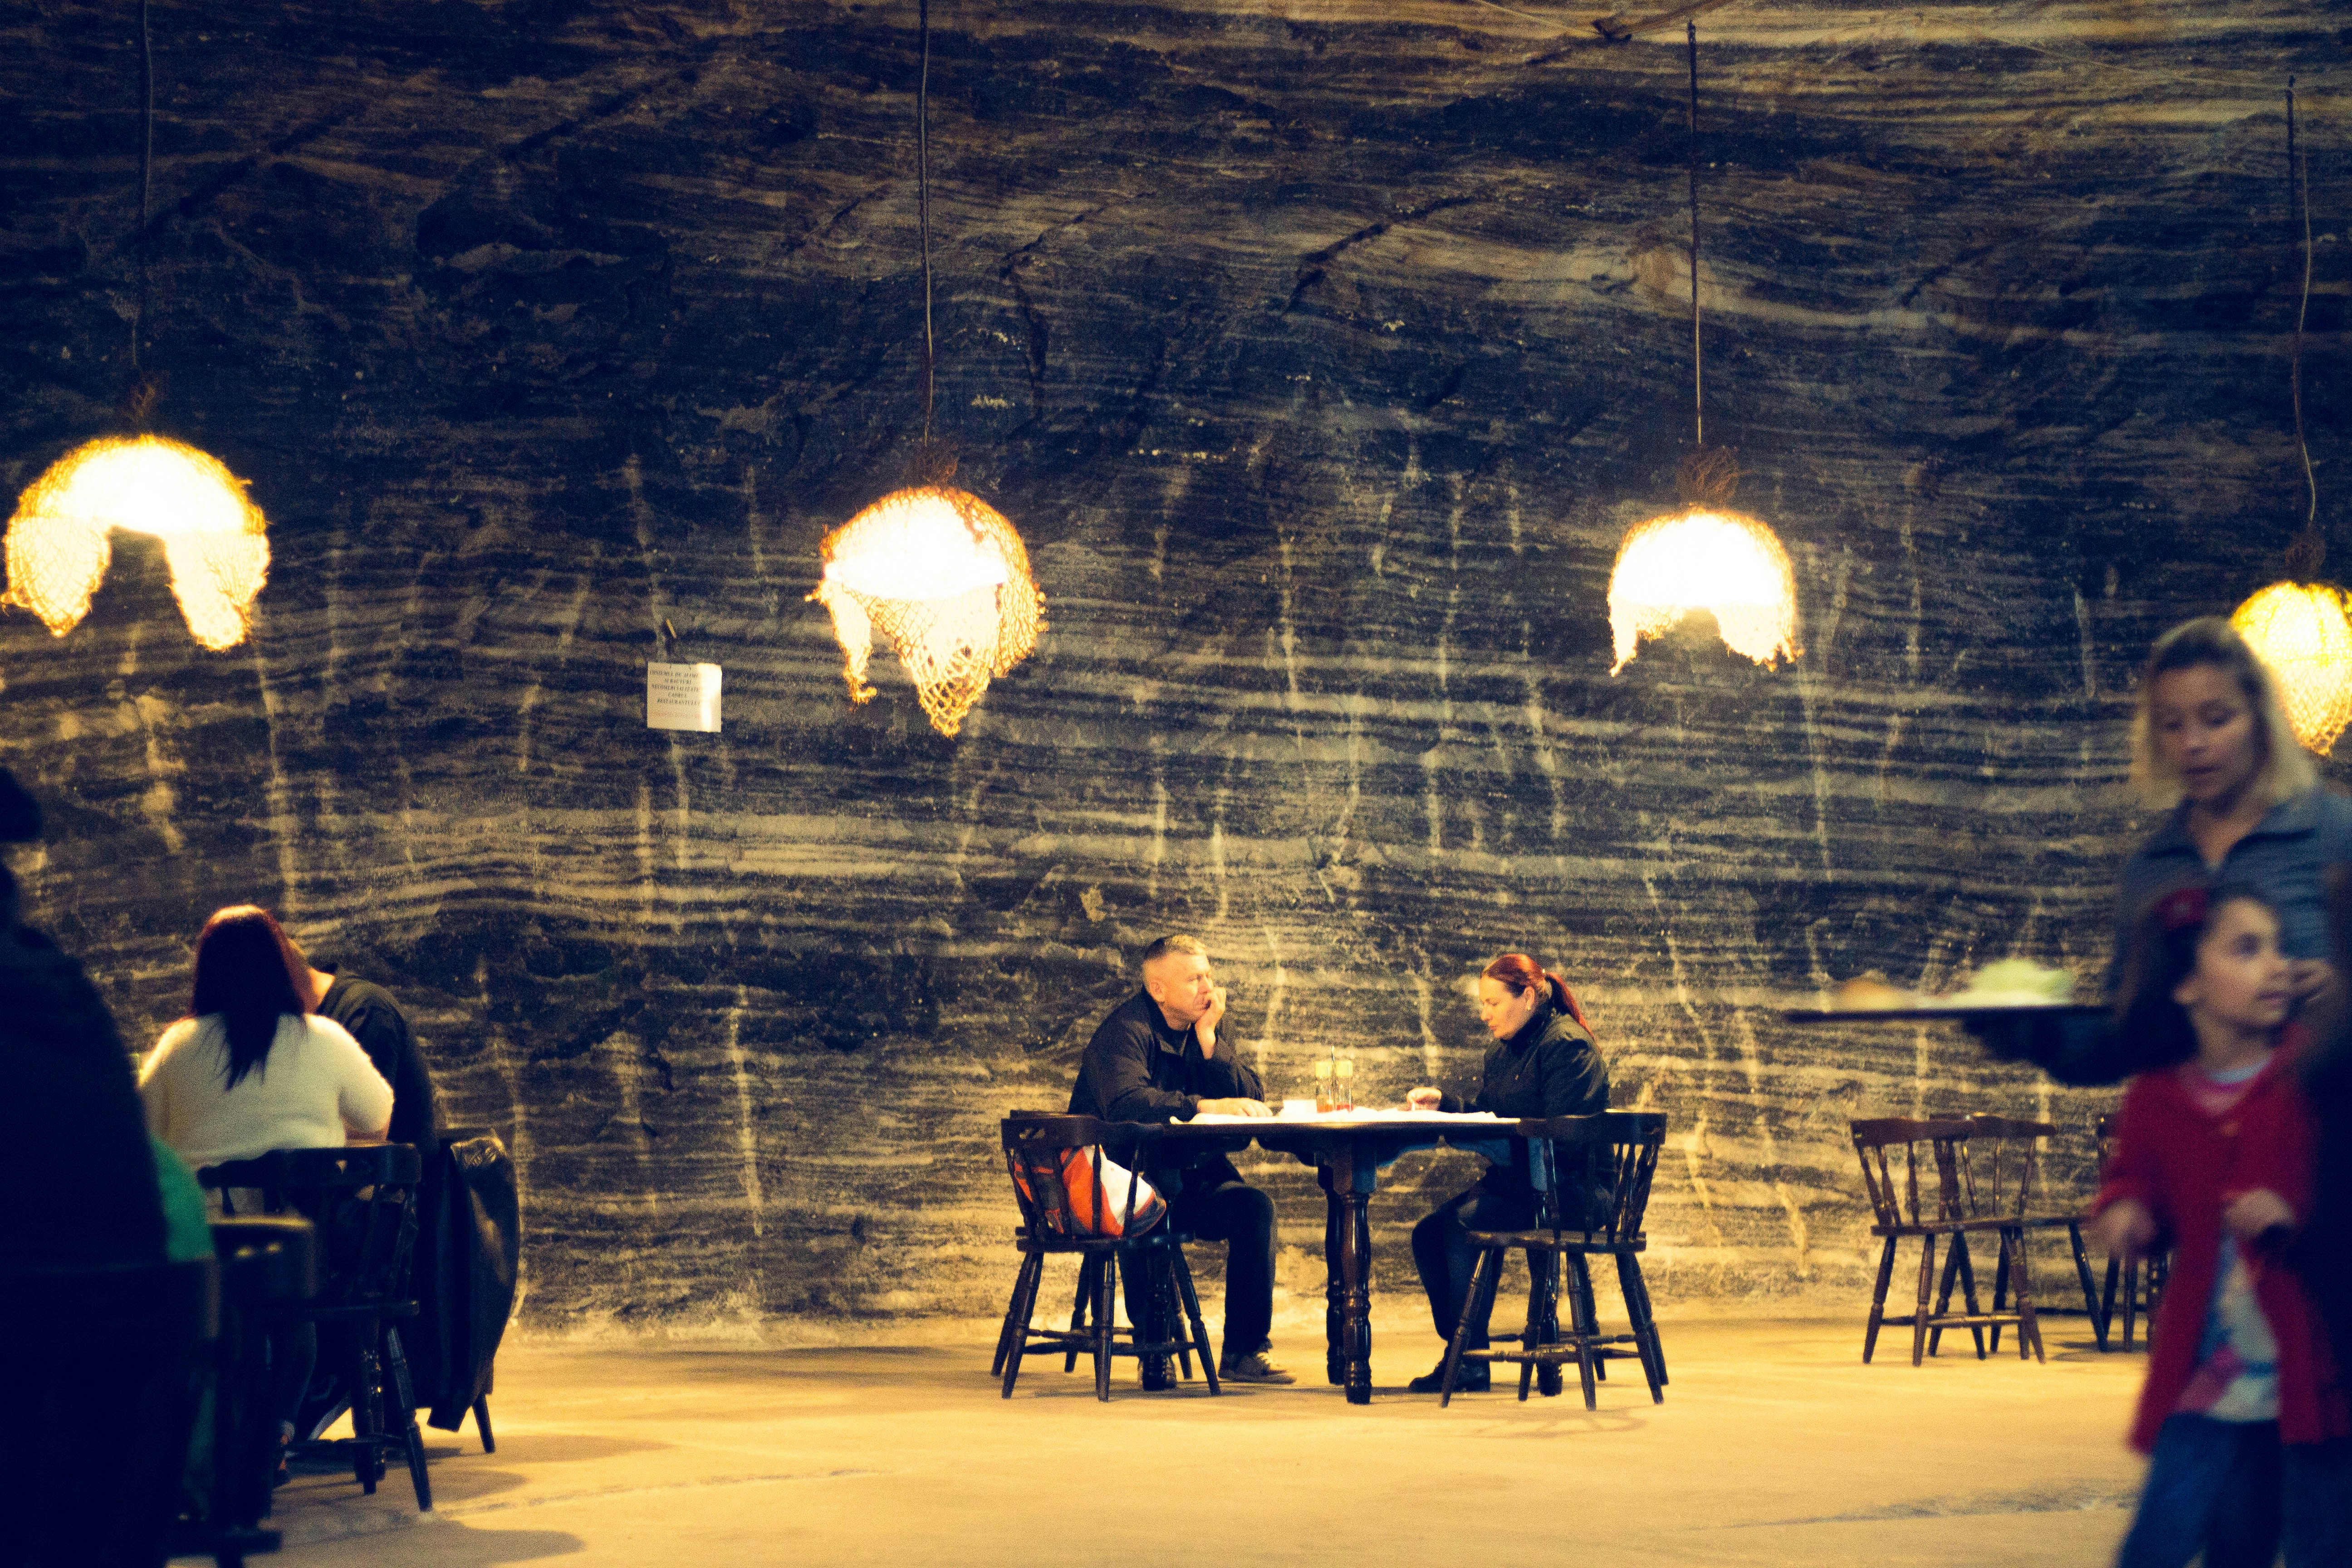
1322 353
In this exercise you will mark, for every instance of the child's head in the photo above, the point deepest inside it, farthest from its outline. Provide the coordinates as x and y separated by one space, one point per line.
2210 956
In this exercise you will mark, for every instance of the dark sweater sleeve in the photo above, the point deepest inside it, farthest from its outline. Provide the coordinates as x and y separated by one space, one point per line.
1117 1065
1225 1075
384 1034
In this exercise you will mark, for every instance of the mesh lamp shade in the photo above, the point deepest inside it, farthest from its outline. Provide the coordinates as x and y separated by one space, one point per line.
942 575
1703 559
2300 631
58 541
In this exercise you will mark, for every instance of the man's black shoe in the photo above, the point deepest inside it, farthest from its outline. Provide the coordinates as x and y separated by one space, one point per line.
1475 1377
1159 1373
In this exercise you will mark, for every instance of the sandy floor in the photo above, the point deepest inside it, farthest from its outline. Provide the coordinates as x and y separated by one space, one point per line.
1775 1446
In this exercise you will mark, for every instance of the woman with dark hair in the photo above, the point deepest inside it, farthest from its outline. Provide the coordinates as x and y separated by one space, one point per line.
2244 1414
1544 1063
252 1068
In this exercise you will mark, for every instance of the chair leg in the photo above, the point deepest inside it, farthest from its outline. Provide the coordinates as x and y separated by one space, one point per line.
1944 1290
1010 1328
1584 1325
2090 1291
404 1402
2000 1287
1105 1291
367 1409
1078 1309
2131 1299
1878 1300
1650 1314
482 1425
1547 1374
1968 1288
1192 1315
1024 1307
1489 1260
1636 1291
1173 1325
2028 1326
1532 1337
1580 1278
1919 1319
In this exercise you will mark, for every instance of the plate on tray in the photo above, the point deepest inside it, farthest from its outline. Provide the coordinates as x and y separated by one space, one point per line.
1942 1007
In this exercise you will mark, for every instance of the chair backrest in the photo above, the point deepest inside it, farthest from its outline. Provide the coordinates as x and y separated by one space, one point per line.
98 1394
1039 1154
1593 1173
2007 1151
1903 1205
361 1197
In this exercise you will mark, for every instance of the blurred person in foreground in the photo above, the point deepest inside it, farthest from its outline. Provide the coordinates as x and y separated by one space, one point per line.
2244 1414
2212 748
69 1122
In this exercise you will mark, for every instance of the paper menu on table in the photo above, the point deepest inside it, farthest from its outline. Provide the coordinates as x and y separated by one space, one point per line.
682 697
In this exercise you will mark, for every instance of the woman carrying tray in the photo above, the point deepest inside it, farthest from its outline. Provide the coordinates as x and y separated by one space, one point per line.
1545 1063
2211 743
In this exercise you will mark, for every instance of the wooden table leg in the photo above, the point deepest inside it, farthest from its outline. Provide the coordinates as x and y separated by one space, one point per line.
1335 1282
1352 1174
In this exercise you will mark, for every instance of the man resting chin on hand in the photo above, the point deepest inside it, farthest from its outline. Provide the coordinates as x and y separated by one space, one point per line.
1164 1055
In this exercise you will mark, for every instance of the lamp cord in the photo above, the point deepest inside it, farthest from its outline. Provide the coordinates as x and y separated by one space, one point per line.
922 202
146 161
1698 366
2298 178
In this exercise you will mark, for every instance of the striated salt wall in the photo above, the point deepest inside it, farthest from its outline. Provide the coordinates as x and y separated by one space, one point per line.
1322 353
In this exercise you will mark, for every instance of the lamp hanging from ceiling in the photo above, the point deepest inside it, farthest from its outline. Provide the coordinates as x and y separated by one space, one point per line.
2299 627
1704 555
59 539
938 571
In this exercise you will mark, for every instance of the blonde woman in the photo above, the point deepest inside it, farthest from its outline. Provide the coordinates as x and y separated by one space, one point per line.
2211 744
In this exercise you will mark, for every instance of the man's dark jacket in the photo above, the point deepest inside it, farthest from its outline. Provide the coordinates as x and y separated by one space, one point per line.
1140 1067
370 1015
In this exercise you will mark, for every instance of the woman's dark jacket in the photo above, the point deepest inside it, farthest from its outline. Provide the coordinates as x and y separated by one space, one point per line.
1549 1067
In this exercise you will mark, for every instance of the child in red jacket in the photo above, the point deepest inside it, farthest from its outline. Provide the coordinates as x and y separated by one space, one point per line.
2242 1414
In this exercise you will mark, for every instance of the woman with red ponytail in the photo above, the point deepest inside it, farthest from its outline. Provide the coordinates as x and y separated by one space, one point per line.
1544 1063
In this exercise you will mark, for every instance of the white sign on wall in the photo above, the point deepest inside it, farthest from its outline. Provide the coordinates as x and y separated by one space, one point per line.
682 697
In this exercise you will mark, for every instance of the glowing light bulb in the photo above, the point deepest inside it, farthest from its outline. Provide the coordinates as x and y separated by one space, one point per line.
946 579
2299 630
1700 559
58 546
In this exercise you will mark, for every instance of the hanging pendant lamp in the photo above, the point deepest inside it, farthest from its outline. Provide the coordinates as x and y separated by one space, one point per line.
59 539
2299 627
1703 555
938 571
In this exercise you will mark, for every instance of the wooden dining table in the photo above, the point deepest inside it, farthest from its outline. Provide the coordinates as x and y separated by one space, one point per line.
1348 1150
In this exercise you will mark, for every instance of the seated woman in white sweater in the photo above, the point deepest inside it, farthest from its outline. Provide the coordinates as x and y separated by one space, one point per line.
252 1068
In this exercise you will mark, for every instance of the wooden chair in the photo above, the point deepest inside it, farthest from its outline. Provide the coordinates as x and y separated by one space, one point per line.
1903 1212
266 1265
2140 1294
362 1198
1039 1154
2008 1152
1592 1176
